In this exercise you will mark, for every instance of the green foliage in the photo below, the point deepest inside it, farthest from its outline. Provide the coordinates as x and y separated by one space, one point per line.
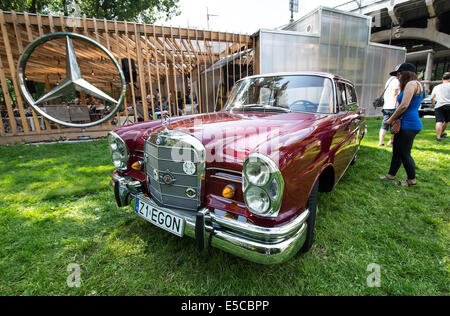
12 94
146 11
139 10
32 6
56 208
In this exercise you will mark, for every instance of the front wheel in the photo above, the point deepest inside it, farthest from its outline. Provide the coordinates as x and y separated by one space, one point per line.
311 205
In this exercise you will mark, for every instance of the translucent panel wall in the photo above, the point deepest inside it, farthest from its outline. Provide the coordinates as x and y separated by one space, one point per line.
288 51
337 42
379 62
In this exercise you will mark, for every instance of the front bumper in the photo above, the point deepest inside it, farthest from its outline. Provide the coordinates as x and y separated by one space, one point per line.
265 245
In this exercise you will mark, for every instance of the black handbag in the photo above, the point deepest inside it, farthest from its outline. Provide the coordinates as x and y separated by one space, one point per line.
379 102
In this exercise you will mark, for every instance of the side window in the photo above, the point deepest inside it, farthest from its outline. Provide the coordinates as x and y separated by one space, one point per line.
341 96
352 100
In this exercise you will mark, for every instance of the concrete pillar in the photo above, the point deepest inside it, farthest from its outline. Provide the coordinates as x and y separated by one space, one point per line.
428 71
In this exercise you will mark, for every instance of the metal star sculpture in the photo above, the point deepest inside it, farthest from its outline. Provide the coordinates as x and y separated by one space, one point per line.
73 81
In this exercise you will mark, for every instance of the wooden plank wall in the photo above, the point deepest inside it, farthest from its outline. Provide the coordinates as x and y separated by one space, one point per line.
178 64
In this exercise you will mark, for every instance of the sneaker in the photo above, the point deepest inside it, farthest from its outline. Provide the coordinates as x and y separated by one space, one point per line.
381 145
438 139
444 135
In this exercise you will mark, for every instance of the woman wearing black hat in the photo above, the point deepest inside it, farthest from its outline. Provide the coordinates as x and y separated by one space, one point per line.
409 100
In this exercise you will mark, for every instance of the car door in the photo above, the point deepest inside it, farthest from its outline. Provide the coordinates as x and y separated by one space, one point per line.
342 127
354 116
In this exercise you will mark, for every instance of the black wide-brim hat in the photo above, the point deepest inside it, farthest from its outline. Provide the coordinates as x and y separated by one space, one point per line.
403 67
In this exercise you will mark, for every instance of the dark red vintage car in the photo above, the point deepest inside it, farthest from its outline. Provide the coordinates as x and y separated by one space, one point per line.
246 179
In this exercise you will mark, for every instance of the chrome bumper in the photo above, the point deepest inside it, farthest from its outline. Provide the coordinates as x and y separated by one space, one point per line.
265 245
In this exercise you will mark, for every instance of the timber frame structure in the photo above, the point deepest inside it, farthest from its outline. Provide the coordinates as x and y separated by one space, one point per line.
182 65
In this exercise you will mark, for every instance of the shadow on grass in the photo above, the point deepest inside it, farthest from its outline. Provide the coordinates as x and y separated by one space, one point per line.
52 172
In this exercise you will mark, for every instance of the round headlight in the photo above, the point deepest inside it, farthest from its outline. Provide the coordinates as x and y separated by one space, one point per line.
257 172
263 185
119 151
274 190
257 200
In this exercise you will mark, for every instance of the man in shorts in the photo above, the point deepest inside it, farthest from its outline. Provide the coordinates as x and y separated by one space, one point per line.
390 103
441 93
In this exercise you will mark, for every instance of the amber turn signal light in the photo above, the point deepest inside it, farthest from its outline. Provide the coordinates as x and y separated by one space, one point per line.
137 165
229 191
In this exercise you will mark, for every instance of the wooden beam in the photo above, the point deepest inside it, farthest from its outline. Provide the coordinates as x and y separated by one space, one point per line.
12 69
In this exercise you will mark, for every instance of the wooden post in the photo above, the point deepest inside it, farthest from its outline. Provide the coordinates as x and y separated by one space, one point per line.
141 71
199 79
12 119
212 58
28 27
204 70
221 83
116 33
190 74
20 48
150 79
174 79
182 72
157 71
131 85
168 97
12 69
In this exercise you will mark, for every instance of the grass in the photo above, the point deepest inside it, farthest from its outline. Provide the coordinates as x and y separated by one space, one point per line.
56 208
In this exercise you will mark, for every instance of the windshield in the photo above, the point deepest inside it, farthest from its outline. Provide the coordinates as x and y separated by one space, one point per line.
303 93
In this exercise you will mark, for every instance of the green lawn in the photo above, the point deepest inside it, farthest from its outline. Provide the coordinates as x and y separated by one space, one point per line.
56 208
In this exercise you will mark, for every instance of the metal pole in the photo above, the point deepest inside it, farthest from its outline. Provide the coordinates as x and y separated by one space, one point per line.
390 35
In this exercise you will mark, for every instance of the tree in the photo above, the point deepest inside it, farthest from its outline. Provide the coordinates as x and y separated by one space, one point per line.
138 10
147 11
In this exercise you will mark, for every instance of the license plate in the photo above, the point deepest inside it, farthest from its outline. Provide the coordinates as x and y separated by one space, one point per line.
160 218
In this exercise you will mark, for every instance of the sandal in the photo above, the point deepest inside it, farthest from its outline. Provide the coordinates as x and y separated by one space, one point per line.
406 183
387 177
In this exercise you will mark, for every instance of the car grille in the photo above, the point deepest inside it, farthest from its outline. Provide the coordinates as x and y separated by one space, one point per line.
165 154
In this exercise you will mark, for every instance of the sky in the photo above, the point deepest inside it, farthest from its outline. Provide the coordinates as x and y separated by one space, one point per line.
241 16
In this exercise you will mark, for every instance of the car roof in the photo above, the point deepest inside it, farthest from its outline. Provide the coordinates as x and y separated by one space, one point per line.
302 73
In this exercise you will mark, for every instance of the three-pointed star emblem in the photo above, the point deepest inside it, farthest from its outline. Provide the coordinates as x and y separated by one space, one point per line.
73 81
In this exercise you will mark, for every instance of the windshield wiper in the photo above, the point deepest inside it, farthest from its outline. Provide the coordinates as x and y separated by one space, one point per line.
264 107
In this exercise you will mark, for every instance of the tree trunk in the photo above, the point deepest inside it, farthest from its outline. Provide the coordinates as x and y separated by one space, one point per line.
33 7
64 4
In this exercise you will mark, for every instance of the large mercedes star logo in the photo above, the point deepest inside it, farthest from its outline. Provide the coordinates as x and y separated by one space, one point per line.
73 81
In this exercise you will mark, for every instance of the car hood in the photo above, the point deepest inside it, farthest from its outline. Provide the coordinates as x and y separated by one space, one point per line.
230 137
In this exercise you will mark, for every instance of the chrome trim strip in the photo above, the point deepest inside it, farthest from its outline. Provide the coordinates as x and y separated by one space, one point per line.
179 197
225 170
226 179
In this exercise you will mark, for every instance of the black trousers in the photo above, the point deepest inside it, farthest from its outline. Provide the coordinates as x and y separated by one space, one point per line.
403 142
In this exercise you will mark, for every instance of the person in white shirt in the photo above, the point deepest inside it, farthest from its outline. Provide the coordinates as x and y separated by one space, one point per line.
390 103
440 100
